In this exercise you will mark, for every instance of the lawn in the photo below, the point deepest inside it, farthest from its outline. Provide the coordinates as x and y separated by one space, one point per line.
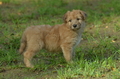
97 56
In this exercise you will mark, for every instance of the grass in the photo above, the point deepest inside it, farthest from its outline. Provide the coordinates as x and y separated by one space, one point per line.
97 57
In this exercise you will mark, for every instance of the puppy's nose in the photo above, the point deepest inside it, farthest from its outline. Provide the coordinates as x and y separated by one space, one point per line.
75 25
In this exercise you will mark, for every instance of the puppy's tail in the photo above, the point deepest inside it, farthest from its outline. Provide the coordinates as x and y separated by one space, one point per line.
23 44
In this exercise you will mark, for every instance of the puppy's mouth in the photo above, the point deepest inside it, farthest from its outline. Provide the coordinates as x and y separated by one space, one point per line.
76 26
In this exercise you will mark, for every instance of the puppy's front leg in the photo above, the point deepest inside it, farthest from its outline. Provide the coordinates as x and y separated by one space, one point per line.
67 52
73 54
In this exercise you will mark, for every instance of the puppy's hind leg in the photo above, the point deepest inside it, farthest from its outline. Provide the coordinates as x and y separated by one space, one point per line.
28 55
32 49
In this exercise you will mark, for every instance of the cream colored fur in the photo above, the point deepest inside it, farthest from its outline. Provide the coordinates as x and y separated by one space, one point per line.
64 37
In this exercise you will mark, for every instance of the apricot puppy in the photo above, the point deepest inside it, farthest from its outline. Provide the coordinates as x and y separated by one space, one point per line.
64 37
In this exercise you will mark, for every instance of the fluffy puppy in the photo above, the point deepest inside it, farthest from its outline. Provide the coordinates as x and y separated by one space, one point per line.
64 37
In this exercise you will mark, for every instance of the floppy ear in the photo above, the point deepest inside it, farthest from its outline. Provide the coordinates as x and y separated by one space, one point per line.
65 16
84 15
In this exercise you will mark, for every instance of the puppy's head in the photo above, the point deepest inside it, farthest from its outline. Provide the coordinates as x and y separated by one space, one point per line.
74 19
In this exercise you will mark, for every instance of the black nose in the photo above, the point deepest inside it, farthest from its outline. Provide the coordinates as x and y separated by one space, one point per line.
75 25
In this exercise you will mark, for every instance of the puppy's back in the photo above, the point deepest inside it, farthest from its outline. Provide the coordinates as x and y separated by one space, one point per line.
33 33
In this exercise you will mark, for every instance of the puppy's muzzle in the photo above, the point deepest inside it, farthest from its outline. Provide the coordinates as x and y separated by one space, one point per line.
75 27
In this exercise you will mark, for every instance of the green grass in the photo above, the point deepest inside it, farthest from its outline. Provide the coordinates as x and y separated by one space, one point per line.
97 57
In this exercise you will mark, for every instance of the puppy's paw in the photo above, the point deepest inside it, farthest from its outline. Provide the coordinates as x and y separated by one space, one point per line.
29 66
70 62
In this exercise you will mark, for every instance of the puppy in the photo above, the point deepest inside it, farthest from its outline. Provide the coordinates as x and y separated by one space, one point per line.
64 37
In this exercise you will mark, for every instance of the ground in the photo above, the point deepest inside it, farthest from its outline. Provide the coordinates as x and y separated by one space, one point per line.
97 56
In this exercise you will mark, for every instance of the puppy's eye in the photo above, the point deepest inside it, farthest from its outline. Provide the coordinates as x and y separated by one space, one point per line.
70 20
78 18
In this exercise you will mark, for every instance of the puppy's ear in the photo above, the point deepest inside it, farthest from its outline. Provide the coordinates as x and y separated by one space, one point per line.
84 15
65 16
